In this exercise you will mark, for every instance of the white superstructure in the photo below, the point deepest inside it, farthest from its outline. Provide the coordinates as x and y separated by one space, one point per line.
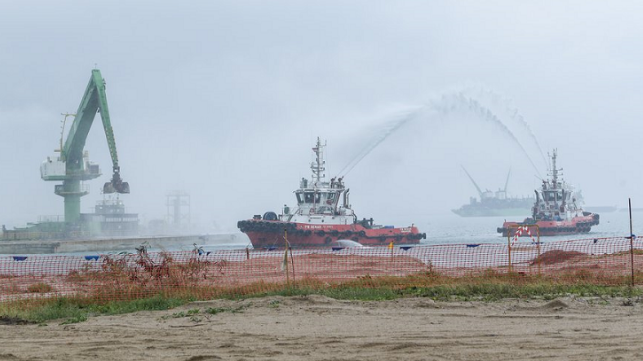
318 200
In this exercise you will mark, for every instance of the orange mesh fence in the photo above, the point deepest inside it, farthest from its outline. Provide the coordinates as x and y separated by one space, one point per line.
122 277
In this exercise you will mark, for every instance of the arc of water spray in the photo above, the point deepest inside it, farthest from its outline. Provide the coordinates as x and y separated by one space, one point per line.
514 114
474 105
392 127
533 137
397 124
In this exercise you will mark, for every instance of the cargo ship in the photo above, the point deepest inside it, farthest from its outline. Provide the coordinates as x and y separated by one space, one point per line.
322 217
556 210
493 204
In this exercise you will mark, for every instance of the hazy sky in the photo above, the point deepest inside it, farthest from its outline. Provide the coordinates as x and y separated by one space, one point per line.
224 99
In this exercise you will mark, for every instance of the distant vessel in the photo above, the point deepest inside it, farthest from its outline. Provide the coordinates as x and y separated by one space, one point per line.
556 211
495 203
323 216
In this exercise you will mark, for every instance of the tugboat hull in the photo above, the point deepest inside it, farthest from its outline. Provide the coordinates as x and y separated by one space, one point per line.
575 225
273 234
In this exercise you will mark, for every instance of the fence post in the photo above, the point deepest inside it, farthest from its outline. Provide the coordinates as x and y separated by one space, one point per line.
509 248
629 202
285 261
538 246
292 262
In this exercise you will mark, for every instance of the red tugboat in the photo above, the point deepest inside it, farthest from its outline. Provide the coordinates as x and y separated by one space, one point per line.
323 216
555 211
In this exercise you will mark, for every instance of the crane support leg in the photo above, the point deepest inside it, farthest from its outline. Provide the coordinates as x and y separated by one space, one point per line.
71 191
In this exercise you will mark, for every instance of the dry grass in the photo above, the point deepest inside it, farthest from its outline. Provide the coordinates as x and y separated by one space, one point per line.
40 287
556 256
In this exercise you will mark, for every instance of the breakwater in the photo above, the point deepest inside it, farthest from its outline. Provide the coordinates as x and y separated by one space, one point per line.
117 244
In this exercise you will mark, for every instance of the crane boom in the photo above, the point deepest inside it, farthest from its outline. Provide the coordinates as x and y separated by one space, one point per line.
94 100
472 181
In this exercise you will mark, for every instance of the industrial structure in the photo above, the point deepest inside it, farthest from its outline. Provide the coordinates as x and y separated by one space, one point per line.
72 167
178 209
494 204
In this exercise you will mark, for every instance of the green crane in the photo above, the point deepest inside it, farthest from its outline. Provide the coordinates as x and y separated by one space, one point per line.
73 165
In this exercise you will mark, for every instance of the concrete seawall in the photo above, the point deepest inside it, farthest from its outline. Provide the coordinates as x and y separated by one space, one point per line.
119 244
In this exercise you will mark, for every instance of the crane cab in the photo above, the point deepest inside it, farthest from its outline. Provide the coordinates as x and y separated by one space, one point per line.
56 169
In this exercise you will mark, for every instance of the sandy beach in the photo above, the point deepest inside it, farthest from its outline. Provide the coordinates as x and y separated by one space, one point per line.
320 328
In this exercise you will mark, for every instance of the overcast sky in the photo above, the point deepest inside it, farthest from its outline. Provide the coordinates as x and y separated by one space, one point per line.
224 100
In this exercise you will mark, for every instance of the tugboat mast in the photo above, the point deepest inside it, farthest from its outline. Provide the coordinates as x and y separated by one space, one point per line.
317 167
554 170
